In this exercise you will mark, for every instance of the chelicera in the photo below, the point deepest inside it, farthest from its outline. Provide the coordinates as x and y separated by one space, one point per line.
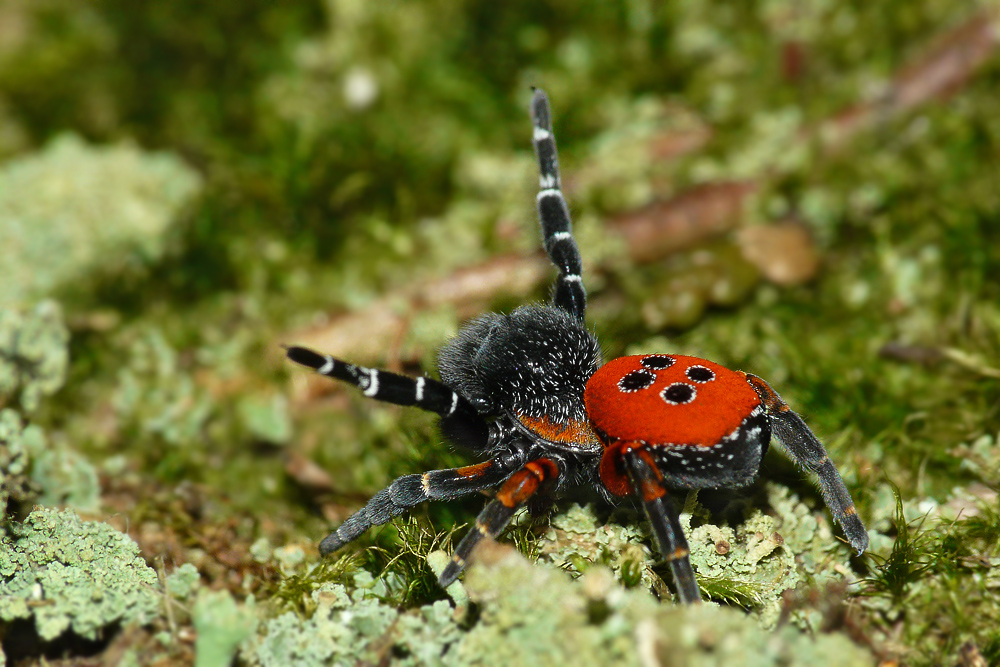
526 393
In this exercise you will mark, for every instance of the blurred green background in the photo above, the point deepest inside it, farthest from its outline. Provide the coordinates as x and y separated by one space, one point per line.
804 190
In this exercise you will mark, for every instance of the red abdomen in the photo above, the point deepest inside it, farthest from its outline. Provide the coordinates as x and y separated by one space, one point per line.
668 399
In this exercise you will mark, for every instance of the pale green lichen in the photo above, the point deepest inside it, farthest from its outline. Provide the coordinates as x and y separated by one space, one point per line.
749 564
183 582
536 615
65 574
222 625
576 538
36 469
33 351
755 562
155 396
266 417
350 628
16 485
981 457
74 208
33 467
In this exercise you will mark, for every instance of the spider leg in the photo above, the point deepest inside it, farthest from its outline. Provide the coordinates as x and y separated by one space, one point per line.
557 229
806 450
410 490
651 490
536 476
459 418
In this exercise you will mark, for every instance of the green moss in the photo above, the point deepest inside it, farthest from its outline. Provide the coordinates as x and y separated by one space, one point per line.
65 574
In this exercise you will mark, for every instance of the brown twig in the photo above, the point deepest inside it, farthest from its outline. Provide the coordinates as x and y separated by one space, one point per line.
940 72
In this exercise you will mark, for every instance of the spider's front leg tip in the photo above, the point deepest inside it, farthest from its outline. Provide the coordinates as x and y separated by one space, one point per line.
540 108
859 544
855 532
330 543
304 356
451 571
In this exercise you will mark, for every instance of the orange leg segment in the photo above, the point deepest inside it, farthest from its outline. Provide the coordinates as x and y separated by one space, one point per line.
540 475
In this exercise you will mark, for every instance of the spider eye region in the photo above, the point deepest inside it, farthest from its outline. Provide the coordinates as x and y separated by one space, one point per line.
668 400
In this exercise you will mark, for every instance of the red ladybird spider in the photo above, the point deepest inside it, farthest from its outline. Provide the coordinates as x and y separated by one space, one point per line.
527 392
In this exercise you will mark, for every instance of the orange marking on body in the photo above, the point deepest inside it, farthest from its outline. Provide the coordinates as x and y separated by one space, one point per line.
573 433
650 490
523 484
477 470
850 510
612 469
516 490
771 400
651 462
543 468
679 552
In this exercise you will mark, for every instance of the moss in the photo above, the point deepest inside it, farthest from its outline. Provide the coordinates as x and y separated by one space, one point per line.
49 67
64 574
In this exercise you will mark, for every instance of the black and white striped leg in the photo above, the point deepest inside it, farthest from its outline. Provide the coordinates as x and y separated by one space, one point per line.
806 450
662 514
410 490
459 419
557 228
536 477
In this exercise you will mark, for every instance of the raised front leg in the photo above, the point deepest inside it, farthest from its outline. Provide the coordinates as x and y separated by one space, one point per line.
459 418
557 229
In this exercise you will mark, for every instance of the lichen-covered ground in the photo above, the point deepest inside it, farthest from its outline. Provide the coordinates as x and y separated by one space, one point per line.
804 190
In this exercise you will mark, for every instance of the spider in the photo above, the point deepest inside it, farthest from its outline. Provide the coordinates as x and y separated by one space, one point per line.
526 393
